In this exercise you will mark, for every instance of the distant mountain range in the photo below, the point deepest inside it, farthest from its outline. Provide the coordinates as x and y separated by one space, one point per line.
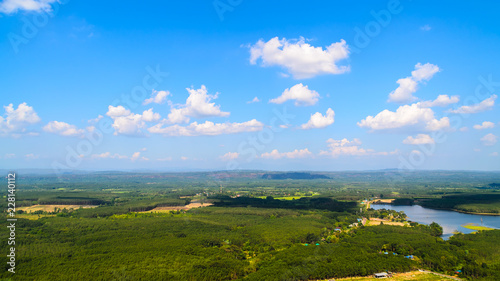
293 176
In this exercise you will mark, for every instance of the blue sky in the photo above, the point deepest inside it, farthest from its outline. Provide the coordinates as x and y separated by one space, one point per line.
346 85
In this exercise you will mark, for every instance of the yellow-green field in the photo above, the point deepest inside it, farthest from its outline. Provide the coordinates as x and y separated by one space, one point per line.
33 216
476 227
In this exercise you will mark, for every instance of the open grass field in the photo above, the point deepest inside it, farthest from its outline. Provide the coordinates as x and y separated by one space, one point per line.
474 226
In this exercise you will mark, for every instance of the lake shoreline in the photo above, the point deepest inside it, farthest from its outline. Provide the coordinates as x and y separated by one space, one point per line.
444 209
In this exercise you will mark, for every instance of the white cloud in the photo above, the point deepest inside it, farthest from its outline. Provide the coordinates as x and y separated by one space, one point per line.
106 155
16 120
464 129
255 99
412 116
12 6
300 93
494 154
441 100
207 128
275 154
300 58
230 156
127 123
425 27
489 140
197 105
419 139
317 120
158 97
347 147
117 111
150 116
94 121
485 105
404 93
32 156
409 85
424 72
485 125
63 129
184 158
418 152
135 156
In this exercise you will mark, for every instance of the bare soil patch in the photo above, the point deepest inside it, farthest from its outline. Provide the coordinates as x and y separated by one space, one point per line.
176 208
50 208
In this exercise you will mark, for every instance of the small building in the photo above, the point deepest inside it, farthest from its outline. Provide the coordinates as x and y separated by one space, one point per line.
338 228
381 275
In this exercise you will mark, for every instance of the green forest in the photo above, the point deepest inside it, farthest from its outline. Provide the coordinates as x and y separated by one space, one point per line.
241 233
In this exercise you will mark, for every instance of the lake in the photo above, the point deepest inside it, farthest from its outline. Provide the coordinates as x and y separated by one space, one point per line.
449 220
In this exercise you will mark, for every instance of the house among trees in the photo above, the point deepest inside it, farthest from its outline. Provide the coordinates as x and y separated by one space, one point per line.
382 275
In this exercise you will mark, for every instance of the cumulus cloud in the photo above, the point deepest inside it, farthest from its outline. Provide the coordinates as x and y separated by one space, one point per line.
419 139
337 148
317 120
150 116
198 105
300 58
489 140
128 123
484 125
207 128
300 93
117 111
63 129
256 99
485 105
15 121
12 6
230 156
406 116
441 100
409 85
158 97
275 154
